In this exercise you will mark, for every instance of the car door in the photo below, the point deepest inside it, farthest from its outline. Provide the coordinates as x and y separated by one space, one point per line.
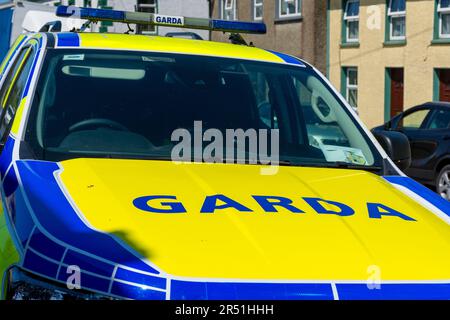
438 129
413 124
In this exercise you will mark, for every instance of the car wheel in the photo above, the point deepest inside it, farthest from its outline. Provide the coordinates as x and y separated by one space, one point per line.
443 183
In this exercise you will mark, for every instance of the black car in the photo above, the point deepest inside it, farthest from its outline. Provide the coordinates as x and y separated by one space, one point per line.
428 129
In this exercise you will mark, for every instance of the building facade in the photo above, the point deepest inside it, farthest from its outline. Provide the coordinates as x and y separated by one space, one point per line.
389 55
296 27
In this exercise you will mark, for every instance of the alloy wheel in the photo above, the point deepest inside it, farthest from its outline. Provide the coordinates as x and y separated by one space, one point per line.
444 185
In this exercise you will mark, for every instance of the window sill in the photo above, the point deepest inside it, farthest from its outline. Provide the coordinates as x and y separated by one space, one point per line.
281 20
394 43
350 45
441 41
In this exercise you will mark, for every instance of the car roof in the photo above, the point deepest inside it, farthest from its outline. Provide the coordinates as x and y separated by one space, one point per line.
170 45
434 104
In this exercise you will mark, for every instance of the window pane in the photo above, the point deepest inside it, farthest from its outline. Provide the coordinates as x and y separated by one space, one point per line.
291 6
352 77
283 9
228 4
415 119
353 97
445 24
258 12
16 91
398 5
352 9
228 9
10 78
229 15
288 7
398 26
440 120
353 30
445 4
15 95
258 9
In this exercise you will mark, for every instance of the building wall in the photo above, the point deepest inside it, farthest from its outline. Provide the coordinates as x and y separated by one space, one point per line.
304 37
418 56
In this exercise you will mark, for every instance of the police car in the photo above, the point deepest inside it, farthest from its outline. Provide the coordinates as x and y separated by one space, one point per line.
93 207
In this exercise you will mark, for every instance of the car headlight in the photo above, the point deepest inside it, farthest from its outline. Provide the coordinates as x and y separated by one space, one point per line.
22 285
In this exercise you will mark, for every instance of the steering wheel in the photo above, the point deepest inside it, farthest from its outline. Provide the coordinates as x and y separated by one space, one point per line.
97 122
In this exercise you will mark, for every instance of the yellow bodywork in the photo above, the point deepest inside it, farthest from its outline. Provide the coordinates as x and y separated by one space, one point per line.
259 245
174 45
8 251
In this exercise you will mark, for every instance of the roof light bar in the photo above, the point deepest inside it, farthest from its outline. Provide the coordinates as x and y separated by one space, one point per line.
160 20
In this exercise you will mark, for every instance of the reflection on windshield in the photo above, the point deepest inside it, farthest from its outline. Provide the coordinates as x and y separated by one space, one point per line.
129 104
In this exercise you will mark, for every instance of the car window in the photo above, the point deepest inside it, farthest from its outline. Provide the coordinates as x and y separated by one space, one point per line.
12 90
414 120
10 54
267 113
128 104
440 119
319 132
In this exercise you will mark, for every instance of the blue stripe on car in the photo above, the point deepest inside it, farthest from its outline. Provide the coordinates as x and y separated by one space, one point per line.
136 293
58 218
135 277
187 290
36 263
410 291
44 245
288 58
6 156
88 263
68 40
421 191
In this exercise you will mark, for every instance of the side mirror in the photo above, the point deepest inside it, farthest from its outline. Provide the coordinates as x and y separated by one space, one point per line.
396 145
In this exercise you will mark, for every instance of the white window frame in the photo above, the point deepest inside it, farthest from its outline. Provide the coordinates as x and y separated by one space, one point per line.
392 15
228 5
298 9
258 4
348 19
349 86
441 12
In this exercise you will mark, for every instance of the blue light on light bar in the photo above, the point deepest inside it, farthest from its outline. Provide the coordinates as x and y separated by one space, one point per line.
238 26
90 14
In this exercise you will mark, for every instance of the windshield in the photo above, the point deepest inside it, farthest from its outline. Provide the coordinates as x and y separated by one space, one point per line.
116 104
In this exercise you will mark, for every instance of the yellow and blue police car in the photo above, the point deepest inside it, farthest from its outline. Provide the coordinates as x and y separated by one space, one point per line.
91 197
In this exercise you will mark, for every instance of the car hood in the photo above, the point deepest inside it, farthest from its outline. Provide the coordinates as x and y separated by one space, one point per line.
233 243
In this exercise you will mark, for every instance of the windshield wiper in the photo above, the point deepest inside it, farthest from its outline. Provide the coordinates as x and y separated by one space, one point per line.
342 165
234 161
